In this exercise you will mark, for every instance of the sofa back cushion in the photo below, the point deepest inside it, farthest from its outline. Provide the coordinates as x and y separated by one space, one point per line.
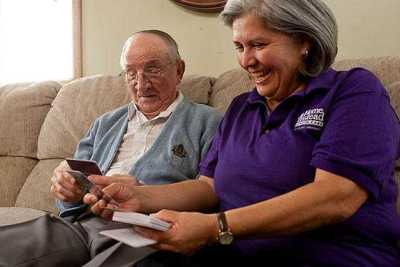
23 108
229 85
387 69
76 106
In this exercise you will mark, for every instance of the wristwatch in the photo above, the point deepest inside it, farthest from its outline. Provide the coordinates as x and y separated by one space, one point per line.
225 236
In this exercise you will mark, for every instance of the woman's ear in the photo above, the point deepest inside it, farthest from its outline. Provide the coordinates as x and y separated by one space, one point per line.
305 47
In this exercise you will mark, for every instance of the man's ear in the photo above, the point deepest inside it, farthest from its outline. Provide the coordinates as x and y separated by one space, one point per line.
180 68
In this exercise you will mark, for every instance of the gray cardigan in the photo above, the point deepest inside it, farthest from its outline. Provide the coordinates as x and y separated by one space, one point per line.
174 156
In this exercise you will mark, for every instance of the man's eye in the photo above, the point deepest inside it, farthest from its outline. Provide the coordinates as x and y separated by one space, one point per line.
259 45
131 74
238 47
153 70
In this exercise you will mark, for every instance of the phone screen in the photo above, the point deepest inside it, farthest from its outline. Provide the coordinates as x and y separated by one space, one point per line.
86 167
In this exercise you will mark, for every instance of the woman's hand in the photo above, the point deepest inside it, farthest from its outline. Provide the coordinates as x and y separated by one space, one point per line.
63 186
104 181
120 189
189 232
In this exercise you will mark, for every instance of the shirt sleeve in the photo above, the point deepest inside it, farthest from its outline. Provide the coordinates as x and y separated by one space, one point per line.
361 135
209 162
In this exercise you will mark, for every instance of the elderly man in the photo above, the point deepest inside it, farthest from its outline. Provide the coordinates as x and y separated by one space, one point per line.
158 138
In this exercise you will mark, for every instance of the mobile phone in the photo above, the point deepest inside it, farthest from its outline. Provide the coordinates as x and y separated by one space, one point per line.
87 167
80 170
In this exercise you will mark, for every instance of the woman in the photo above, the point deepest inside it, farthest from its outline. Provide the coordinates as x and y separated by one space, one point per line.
301 168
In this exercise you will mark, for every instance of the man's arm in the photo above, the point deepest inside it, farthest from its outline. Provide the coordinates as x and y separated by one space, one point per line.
64 187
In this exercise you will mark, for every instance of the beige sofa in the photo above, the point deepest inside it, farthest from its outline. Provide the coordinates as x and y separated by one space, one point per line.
41 123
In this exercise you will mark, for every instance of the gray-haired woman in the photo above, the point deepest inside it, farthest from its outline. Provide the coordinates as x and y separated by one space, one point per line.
302 167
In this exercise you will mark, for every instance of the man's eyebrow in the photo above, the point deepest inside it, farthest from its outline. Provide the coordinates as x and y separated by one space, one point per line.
153 62
148 63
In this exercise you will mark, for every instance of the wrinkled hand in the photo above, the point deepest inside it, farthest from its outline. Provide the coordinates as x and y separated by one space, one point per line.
190 231
64 186
122 190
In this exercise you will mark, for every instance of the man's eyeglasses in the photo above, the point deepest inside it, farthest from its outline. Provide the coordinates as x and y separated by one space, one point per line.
149 73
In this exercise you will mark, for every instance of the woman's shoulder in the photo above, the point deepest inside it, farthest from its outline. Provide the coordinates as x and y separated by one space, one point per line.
360 80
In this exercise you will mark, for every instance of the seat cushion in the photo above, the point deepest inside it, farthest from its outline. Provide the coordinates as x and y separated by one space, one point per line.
15 215
36 191
13 174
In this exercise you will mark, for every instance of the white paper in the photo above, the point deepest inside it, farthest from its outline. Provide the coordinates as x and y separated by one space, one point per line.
141 220
129 237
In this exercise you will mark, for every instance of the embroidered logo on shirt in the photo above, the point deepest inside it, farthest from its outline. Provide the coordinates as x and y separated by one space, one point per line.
311 119
179 151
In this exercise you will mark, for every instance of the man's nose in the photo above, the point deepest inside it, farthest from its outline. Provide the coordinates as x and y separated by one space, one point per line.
142 81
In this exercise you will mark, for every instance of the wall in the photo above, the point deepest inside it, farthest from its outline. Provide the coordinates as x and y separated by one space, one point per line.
366 28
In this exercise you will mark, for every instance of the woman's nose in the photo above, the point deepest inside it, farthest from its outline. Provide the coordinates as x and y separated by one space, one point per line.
247 58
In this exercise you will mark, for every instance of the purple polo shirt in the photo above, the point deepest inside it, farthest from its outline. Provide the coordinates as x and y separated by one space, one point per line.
342 123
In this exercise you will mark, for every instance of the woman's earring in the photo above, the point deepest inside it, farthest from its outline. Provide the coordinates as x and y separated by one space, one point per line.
306 53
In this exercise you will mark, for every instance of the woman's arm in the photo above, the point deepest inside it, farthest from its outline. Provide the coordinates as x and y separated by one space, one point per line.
190 195
329 199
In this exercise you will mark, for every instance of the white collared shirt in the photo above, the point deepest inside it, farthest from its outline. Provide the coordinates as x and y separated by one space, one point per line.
139 137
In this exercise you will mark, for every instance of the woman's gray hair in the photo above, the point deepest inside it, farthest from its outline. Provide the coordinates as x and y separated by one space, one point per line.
305 19
173 46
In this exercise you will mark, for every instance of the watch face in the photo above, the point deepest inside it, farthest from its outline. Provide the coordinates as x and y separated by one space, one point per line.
225 238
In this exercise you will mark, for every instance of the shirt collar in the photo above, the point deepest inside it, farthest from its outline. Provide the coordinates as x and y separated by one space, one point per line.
133 110
324 81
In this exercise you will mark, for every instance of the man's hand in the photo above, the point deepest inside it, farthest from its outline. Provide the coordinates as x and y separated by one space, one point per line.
122 189
63 186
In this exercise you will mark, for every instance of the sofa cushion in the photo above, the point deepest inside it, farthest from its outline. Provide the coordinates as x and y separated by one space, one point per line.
13 174
76 106
387 69
36 191
228 85
14 215
197 88
394 93
23 108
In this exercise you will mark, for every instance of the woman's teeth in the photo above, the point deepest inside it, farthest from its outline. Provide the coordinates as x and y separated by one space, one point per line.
260 77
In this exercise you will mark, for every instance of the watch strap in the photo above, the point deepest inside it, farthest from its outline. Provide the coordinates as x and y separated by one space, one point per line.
222 222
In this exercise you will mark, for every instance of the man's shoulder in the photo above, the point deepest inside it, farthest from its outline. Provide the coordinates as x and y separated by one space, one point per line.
202 110
113 115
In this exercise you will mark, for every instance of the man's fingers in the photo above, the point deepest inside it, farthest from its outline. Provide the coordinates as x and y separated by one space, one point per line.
57 194
62 191
67 181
